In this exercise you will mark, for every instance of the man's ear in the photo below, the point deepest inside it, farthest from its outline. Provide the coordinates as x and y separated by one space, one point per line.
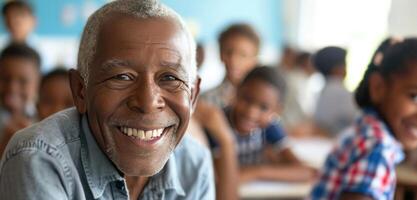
195 91
78 88
377 88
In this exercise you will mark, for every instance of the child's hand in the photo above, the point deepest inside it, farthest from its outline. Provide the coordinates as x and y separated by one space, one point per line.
213 119
14 124
293 173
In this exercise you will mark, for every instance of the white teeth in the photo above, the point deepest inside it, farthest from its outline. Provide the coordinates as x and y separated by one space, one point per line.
148 135
142 134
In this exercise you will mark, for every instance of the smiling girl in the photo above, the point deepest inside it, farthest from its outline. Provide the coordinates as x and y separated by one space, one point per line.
362 166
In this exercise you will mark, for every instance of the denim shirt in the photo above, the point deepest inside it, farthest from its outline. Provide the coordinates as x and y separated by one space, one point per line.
59 158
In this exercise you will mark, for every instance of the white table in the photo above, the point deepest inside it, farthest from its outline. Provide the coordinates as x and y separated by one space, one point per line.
312 151
267 190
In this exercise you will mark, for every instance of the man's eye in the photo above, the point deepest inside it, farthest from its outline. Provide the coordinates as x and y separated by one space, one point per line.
413 97
169 78
171 82
123 77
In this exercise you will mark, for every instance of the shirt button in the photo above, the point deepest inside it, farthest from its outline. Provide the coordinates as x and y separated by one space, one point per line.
120 185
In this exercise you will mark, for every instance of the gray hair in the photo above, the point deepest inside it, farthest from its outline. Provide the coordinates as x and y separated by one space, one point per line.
141 9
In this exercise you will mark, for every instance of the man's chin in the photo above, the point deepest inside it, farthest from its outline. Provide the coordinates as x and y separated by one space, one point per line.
144 171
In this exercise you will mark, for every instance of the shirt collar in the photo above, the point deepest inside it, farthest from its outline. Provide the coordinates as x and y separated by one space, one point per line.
98 168
227 85
389 138
166 179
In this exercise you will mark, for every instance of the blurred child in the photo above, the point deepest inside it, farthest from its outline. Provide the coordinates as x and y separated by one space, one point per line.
210 117
19 20
362 166
54 93
304 85
263 153
19 80
201 54
239 47
288 58
335 109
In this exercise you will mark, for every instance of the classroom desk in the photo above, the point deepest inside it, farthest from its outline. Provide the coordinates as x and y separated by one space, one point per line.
312 151
274 190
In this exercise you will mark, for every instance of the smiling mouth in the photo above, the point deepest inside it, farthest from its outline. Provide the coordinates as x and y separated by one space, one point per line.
144 135
413 131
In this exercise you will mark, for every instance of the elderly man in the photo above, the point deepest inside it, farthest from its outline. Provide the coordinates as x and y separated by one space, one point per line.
134 92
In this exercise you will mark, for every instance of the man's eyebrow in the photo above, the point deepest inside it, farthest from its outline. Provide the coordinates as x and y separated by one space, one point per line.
176 66
114 63
412 87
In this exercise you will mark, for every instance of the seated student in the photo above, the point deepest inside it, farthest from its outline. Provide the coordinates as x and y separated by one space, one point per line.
19 20
210 117
304 85
262 149
19 80
362 165
239 47
54 93
330 116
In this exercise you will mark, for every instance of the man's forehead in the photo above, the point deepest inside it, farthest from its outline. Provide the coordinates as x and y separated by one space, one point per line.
168 25
129 30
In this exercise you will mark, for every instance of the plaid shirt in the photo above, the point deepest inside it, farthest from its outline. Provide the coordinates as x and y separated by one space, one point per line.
364 162
251 147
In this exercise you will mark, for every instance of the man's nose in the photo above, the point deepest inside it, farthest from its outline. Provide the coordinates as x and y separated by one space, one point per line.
147 97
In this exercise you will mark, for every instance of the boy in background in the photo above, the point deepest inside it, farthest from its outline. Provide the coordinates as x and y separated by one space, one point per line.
19 80
335 107
19 20
262 147
239 47
54 93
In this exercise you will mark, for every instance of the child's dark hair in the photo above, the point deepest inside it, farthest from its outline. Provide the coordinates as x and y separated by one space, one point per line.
269 75
21 50
59 72
396 60
244 30
326 59
22 5
301 58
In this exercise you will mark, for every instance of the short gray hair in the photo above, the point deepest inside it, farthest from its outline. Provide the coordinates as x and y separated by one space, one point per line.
141 9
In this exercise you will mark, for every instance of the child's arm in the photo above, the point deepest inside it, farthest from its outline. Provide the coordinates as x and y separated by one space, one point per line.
285 156
226 165
14 124
292 173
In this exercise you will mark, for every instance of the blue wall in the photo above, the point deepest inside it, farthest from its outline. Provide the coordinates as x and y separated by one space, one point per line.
50 13
211 16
